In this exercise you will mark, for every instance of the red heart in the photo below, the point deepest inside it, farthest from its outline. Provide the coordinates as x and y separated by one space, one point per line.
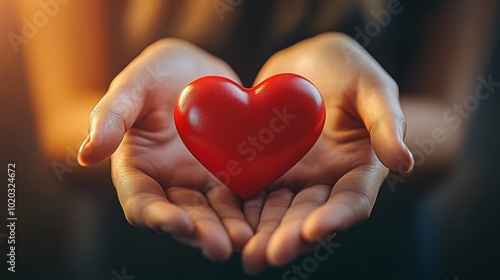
248 138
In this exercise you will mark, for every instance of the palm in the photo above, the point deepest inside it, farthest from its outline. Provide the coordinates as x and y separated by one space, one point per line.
161 155
338 151
161 186
152 148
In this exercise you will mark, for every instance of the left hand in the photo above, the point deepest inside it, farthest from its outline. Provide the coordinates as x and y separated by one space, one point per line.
336 184
159 184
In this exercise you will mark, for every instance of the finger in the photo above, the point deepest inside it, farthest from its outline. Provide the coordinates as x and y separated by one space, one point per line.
286 242
252 209
254 253
350 203
111 118
378 103
145 205
228 208
169 64
209 233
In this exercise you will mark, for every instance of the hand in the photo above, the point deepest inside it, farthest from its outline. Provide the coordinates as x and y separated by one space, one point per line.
335 185
160 185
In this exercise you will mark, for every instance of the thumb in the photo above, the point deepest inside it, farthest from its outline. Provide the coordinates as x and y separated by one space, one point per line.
111 118
381 112
386 135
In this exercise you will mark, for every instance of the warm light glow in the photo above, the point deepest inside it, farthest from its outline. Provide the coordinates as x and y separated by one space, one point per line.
141 18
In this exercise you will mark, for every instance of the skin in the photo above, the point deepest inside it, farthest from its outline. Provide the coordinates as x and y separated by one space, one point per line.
162 187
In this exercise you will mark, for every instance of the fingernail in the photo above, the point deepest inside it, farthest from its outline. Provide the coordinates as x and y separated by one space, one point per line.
84 149
330 237
410 162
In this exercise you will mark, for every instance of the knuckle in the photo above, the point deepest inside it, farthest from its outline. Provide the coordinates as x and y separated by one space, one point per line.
390 83
115 82
380 82
365 211
132 220
400 118
361 205
364 207
167 43
132 216
332 38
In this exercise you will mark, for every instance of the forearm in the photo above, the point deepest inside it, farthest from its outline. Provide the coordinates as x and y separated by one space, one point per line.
435 132
447 78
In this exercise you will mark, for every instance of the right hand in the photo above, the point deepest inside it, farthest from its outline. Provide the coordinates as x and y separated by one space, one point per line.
159 183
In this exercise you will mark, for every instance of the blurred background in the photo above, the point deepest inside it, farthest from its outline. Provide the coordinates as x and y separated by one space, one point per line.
57 58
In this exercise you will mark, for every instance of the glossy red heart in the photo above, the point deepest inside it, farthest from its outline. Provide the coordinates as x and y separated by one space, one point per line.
248 138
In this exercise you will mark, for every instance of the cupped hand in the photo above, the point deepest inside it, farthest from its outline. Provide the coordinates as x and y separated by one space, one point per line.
336 184
160 185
